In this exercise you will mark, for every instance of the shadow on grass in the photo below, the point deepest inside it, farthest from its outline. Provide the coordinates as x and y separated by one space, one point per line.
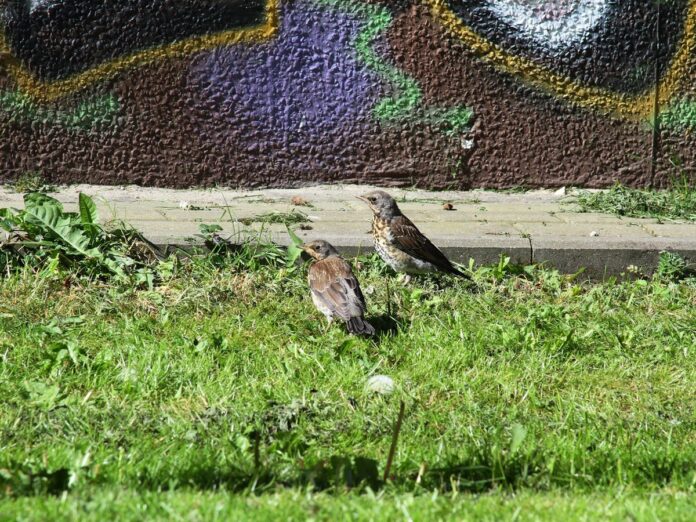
385 326
335 473
19 481
341 473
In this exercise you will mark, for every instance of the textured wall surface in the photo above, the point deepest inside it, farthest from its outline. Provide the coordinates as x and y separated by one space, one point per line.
434 93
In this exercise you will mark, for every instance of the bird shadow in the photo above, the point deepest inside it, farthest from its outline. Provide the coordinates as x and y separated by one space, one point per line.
441 281
385 325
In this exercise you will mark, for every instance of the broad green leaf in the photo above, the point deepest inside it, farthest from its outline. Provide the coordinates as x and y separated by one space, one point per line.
46 244
209 229
6 221
88 210
47 214
7 215
34 199
42 394
519 433
116 264
295 240
294 249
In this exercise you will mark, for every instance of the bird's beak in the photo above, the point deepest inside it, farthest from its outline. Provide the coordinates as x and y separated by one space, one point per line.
362 198
311 254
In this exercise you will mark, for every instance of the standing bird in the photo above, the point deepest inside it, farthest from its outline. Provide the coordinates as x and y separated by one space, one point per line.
335 290
399 243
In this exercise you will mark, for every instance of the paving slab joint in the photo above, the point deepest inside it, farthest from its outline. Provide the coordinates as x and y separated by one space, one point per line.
646 229
531 248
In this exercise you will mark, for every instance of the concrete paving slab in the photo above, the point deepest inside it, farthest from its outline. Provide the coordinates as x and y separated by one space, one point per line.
517 217
593 231
485 225
467 231
517 208
591 217
130 212
687 230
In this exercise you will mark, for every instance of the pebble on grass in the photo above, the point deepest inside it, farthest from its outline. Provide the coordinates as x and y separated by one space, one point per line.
381 384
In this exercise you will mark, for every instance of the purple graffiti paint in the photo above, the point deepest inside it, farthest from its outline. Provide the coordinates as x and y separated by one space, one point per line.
307 86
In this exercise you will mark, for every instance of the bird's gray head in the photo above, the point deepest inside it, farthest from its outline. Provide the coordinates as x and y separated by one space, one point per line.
381 204
320 249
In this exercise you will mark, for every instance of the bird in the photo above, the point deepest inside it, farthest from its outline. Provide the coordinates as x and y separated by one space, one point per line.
335 289
399 242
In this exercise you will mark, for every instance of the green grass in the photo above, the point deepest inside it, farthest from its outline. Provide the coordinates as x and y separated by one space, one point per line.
187 504
221 394
294 217
676 203
31 181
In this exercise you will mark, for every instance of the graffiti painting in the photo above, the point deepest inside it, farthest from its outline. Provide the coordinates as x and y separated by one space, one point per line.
59 45
434 93
602 54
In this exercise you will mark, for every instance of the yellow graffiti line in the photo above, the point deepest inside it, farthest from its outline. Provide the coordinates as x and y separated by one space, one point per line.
629 106
49 91
675 77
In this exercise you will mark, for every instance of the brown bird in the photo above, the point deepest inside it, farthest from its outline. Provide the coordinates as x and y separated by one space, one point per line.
335 290
399 242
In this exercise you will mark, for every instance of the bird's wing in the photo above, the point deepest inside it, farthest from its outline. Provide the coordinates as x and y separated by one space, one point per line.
333 283
406 237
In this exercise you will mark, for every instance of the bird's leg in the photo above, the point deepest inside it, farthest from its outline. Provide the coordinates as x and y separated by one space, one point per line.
326 326
404 279
389 308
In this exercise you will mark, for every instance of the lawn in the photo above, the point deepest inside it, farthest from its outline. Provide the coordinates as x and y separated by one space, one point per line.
678 203
216 391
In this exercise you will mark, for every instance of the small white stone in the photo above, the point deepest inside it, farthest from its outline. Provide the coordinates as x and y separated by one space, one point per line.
184 205
467 144
561 191
594 233
381 384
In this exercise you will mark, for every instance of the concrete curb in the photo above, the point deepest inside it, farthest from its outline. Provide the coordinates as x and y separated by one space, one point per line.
540 226
596 260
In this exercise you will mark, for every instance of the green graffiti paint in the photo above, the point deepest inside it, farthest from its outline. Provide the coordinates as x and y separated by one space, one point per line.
451 121
96 112
410 95
407 105
680 115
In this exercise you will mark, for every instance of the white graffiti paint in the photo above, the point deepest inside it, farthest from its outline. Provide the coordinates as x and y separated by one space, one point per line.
554 24
37 4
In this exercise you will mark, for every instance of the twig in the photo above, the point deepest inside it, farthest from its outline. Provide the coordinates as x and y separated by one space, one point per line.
257 451
395 438
389 314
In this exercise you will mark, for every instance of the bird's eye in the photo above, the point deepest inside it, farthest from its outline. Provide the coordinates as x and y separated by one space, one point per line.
373 199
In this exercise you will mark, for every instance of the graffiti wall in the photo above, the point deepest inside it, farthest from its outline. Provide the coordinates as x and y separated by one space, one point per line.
433 93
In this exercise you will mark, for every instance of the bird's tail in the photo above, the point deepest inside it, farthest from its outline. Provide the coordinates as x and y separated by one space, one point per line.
454 271
359 326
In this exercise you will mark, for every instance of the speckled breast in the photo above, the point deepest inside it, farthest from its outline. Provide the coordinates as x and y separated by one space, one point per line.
398 260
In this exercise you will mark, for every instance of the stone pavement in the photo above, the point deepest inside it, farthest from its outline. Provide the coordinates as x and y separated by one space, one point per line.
537 226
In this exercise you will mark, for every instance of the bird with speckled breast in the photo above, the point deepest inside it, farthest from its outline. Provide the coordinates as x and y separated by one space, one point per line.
335 289
399 242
